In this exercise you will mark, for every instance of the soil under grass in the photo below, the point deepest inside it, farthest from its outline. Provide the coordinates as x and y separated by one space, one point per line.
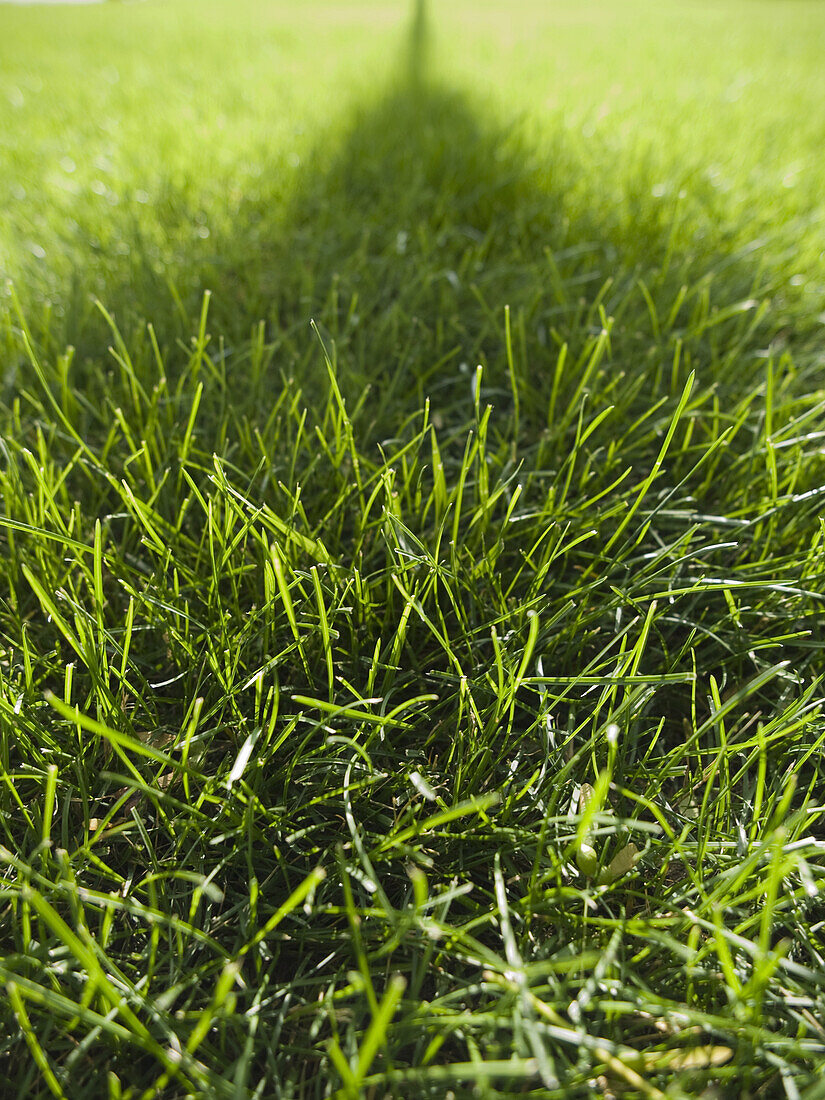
412 551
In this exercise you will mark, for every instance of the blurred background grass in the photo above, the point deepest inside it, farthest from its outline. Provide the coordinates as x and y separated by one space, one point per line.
169 144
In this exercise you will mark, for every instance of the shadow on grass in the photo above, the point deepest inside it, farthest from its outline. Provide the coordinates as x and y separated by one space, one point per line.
405 236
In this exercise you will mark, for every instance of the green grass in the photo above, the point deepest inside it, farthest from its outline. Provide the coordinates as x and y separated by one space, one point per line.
425 701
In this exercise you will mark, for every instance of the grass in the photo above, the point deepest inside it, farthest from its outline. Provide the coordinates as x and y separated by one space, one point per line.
427 701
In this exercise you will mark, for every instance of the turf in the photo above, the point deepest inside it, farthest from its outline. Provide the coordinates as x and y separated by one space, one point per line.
411 619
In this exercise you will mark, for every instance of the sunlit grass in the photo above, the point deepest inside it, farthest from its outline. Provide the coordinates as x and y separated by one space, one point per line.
411 621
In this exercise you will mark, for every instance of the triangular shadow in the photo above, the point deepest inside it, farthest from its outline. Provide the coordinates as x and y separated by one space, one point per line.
406 233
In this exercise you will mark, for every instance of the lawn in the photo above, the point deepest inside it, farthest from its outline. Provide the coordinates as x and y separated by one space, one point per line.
413 545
